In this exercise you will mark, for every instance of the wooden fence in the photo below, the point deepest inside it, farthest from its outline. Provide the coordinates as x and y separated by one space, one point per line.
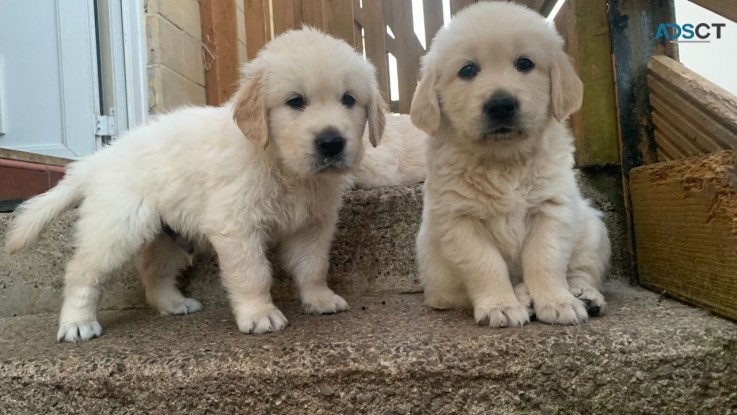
375 27
384 28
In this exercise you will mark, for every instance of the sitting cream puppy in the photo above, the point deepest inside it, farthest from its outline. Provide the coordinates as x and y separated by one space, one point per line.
501 201
270 166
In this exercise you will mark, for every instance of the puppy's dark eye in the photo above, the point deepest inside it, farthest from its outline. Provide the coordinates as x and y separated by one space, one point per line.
347 100
524 64
297 103
468 71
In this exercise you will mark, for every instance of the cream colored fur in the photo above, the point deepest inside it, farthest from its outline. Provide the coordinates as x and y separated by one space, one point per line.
240 177
399 160
505 229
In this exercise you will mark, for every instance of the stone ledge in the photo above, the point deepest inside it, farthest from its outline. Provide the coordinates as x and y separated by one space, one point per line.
373 253
388 353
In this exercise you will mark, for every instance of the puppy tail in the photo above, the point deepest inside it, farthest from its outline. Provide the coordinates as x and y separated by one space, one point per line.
35 214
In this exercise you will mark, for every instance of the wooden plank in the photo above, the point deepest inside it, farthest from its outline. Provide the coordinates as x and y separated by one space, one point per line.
547 7
257 26
312 13
666 149
6 153
632 24
714 100
338 15
358 27
374 31
458 5
220 34
433 11
589 45
405 50
286 15
533 4
672 139
726 8
686 234
707 133
565 23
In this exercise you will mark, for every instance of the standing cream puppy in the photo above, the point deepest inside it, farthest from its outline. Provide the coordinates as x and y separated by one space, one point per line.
268 167
502 207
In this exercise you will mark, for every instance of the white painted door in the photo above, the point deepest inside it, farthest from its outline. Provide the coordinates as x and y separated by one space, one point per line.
49 92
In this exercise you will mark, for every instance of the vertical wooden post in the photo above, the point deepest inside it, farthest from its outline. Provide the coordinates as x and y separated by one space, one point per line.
258 26
288 17
633 24
371 18
407 49
220 36
433 19
312 13
338 15
585 26
458 5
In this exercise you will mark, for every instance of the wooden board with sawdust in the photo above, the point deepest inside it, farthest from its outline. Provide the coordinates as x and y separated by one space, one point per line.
685 221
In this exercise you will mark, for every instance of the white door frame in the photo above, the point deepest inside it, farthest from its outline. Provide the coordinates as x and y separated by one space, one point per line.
122 45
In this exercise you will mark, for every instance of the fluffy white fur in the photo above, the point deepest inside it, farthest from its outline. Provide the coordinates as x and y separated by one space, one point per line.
502 207
399 160
239 177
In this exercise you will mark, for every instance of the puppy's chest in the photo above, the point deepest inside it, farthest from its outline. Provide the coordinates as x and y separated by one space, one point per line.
499 193
503 202
296 208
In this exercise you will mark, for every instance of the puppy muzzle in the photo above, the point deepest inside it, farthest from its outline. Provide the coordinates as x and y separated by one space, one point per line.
501 117
329 151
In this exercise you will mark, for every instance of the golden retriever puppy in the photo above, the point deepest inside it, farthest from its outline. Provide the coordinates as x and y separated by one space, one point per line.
502 206
267 167
399 160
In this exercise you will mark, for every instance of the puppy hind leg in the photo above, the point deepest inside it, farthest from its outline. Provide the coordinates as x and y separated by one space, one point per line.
159 263
97 254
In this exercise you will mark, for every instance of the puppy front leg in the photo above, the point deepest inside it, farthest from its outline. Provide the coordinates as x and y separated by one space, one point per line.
305 255
484 273
544 265
246 276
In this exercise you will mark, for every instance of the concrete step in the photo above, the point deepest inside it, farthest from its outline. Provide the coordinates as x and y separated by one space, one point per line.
373 254
389 354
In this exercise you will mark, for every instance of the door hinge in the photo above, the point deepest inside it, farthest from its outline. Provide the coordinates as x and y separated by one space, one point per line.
105 126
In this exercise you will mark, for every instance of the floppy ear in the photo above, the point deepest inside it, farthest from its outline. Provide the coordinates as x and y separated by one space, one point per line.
249 111
566 88
425 109
376 118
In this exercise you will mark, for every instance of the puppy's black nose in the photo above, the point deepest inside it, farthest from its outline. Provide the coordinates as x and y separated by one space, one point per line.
329 143
501 106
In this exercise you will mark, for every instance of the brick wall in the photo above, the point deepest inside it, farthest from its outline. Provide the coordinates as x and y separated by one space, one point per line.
176 74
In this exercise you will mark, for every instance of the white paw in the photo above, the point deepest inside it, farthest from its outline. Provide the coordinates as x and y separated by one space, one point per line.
563 309
76 331
260 319
523 295
181 306
501 315
323 302
593 300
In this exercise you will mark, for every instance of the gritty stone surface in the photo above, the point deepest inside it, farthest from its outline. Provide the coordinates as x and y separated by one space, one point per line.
389 354
373 253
